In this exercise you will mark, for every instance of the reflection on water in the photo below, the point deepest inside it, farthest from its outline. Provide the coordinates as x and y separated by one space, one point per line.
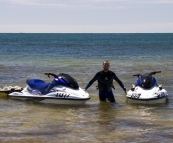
94 122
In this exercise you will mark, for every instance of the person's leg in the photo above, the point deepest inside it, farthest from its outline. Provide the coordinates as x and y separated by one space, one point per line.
102 95
110 96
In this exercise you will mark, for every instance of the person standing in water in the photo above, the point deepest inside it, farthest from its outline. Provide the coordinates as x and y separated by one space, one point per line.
105 83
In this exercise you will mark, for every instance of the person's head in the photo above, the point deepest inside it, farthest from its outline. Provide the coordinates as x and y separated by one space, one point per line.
106 65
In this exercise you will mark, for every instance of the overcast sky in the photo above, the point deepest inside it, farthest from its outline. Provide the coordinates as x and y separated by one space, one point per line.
86 16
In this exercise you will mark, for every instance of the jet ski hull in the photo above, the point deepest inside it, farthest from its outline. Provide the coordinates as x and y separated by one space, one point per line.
154 95
51 100
58 95
147 101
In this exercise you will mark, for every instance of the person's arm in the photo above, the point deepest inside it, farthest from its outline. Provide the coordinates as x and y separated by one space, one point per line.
120 83
91 82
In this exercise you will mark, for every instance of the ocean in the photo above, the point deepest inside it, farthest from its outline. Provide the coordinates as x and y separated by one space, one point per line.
29 55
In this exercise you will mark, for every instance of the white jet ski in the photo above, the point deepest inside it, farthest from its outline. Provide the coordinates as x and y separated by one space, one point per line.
62 90
147 91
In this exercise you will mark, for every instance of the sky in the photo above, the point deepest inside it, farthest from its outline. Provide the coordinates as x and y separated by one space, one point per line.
86 16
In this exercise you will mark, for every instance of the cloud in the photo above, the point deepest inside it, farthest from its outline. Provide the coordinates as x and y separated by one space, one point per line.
116 28
18 2
63 3
80 4
34 2
135 1
153 1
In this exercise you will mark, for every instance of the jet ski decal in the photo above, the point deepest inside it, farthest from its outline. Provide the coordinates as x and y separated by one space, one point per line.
62 95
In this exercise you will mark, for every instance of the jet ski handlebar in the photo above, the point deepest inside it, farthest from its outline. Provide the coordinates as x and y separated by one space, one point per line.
155 72
137 75
51 74
149 73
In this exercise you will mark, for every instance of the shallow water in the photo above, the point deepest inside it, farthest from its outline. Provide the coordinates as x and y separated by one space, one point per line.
24 56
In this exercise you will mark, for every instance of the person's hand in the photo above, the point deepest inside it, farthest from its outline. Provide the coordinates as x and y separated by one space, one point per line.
126 92
84 89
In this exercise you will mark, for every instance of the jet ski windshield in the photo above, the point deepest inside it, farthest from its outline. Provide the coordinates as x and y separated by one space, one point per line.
71 82
146 81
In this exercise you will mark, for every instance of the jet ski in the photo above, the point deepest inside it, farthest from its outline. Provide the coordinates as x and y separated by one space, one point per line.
62 90
147 90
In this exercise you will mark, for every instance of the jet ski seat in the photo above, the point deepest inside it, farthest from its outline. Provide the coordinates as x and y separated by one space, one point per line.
37 84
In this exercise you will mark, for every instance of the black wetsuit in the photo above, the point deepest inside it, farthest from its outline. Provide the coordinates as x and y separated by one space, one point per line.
105 84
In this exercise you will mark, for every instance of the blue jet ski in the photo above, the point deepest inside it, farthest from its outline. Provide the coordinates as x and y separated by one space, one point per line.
62 90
